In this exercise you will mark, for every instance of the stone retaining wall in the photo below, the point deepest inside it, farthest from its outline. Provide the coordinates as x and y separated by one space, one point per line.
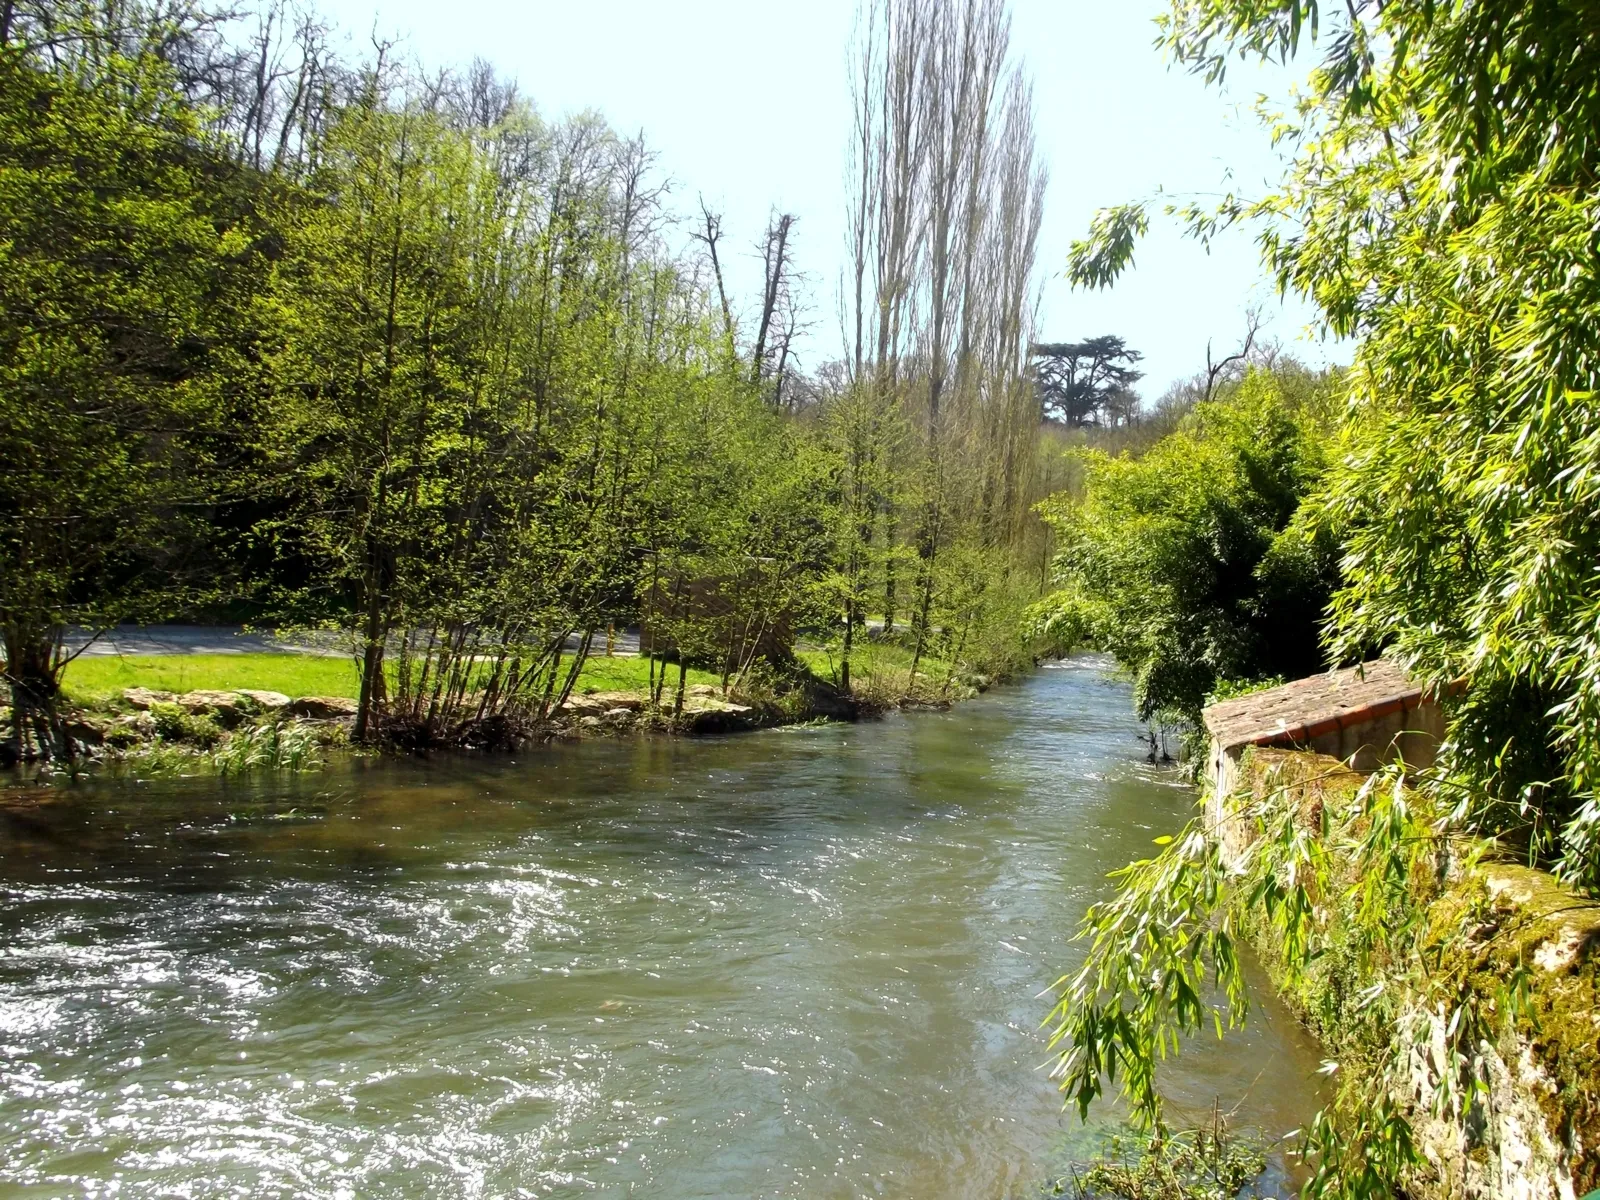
1535 1133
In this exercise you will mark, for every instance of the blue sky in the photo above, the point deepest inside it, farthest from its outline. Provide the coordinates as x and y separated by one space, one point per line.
746 101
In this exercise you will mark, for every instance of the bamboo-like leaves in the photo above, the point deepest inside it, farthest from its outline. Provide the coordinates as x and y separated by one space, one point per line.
1159 952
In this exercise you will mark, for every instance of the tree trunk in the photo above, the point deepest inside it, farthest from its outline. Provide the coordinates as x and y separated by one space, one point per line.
955 658
924 611
574 669
777 267
33 671
849 640
889 602
372 690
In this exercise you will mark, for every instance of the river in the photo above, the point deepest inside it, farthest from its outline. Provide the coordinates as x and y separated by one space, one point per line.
796 963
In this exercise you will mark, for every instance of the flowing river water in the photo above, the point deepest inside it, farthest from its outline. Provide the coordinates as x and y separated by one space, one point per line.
796 963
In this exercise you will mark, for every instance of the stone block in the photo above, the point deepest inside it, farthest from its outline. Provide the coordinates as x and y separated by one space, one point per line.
143 698
269 701
209 701
631 701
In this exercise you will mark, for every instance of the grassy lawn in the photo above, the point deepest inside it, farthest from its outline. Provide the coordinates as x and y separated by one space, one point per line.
633 675
88 679
876 664
99 678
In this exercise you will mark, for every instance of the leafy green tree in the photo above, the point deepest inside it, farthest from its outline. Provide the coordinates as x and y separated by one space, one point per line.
115 240
490 378
370 294
860 435
1441 209
1081 383
1186 563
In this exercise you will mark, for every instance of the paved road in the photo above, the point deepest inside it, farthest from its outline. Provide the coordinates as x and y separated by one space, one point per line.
198 639
233 639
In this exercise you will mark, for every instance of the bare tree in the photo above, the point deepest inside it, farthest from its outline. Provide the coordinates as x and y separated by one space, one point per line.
709 234
259 73
778 276
787 332
887 166
961 67
939 291
1215 371
1015 213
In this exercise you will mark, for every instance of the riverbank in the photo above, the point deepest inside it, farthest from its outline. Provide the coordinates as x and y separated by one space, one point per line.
1458 991
272 710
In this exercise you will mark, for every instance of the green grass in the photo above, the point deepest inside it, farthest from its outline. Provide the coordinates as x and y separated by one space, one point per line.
633 675
89 680
877 665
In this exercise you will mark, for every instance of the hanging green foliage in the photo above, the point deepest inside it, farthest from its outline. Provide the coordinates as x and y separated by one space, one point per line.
1440 209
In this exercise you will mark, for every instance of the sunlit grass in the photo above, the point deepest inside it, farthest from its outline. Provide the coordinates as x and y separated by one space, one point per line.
879 668
99 678
91 680
633 675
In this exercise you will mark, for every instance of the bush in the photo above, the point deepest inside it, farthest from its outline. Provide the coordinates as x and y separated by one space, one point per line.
172 724
122 737
1207 1163
1191 564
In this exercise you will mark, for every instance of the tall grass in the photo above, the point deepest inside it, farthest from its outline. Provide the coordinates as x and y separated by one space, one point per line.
269 745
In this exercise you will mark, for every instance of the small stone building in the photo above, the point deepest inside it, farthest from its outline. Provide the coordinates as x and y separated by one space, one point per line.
1364 716
713 606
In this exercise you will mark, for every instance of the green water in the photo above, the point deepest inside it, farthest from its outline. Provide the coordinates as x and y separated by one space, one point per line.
794 963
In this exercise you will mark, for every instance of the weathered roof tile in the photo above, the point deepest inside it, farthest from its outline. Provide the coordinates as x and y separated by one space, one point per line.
1307 707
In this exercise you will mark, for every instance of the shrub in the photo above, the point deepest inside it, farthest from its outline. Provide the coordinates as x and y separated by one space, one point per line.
1189 564
172 724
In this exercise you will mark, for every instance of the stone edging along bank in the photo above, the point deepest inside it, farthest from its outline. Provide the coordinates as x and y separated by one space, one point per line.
1532 1131
202 724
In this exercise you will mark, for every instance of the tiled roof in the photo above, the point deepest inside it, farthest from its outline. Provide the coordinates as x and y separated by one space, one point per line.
1308 708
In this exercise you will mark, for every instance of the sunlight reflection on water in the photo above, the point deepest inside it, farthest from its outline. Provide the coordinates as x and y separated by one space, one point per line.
801 963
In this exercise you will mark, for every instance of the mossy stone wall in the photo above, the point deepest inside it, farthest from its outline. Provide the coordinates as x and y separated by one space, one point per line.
1524 949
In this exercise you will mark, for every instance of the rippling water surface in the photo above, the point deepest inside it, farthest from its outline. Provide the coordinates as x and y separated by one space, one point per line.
795 963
